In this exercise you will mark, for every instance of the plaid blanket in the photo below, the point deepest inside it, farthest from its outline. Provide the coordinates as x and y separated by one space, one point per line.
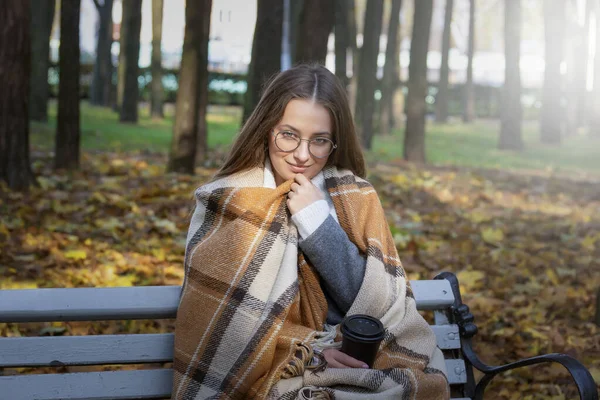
252 309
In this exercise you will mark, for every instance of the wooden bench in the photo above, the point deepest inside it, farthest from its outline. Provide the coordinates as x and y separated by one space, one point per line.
453 326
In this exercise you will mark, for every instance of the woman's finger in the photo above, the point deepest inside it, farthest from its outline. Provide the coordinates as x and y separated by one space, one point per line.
294 187
301 179
335 364
349 362
291 195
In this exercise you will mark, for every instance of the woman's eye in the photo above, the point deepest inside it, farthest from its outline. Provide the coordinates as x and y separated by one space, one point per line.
290 135
320 141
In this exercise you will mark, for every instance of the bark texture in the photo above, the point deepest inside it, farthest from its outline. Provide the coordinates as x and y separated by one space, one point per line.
441 110
193 79
367 72
15 53
100 91
68 127
511 109
42 16
130 49
157 93
315 25
552 115
391 70
266 51
469 100
414 136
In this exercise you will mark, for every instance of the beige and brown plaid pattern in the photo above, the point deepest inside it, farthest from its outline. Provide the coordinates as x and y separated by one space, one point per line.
251 304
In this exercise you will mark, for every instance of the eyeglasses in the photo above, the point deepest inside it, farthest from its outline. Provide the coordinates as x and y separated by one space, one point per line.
319 147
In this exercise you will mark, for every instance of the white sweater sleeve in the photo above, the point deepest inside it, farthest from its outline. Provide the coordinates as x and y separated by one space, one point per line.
308 219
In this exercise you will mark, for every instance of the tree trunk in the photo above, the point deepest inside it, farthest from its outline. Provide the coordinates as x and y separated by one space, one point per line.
582 68
156 98
67 129
595 114
469 100
341 40
367 75
352 33
511 111
552 114
441 109
42 16
15 53
202 136
103 67
391 73
132 18
414 136
296 7
266 51
316 22
187 109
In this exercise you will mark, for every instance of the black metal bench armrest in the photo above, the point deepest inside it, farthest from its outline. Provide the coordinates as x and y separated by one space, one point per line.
582 377
465 321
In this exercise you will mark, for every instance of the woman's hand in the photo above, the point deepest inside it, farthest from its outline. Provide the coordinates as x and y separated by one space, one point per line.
303 193
337 359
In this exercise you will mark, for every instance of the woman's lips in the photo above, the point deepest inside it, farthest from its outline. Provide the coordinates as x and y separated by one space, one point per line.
298 169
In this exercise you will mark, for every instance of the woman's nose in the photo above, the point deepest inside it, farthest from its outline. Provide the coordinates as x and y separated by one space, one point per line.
302 153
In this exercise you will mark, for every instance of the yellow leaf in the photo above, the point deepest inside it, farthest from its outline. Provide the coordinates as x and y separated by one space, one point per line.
159 253
492 236
552 276
76 254
470 279
589 243
595 374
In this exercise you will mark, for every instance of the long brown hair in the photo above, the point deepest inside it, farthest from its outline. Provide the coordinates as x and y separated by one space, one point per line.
305 81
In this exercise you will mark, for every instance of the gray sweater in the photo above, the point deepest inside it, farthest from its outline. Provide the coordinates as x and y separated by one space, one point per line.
340 265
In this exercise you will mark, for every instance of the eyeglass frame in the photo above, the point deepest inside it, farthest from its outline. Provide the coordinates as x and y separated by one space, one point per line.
300 140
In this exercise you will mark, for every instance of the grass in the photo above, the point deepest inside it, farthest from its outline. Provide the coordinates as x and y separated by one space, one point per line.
101 129
457 144
475 145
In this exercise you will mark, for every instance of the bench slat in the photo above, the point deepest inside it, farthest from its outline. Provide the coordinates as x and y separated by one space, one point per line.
86 350
142 302
119 385
432 294
121 349
457 374
447 336
88 304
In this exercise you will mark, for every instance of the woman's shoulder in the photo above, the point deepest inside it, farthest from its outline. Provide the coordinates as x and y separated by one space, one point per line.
339 177
249 178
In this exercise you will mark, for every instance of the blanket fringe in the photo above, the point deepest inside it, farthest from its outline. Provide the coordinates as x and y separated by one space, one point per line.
326 339
313 393
301 358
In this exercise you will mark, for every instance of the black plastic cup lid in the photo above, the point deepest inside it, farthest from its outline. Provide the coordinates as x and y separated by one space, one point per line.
363 328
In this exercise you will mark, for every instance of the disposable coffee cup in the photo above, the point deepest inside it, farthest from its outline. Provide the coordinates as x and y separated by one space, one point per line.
362 335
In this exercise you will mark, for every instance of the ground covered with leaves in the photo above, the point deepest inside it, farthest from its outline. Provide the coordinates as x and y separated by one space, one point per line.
525 246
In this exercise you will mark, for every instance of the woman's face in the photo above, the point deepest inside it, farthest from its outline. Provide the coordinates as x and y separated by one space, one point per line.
307 120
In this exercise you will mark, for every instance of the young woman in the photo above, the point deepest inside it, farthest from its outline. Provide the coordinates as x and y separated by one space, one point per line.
285 242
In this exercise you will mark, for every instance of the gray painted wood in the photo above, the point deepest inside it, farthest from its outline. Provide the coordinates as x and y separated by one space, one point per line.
141 384
142 302
86 350
88 304
432 294
122 349
117 385
447 336
457 374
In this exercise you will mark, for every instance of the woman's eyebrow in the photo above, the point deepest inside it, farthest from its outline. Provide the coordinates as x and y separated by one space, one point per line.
296 130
